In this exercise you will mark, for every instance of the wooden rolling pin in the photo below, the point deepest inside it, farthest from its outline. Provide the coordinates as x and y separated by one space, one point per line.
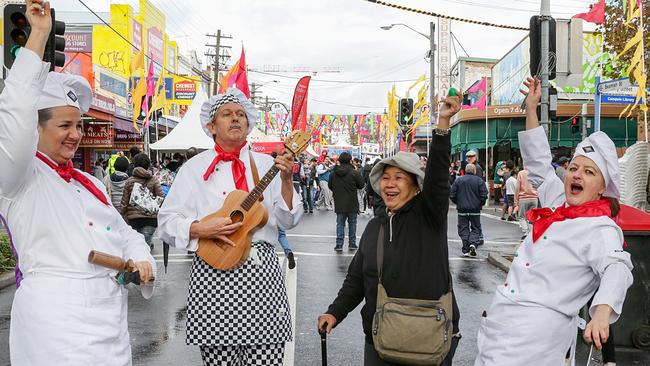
110 261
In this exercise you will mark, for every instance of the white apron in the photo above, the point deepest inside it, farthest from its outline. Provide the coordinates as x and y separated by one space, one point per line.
65 321
534 335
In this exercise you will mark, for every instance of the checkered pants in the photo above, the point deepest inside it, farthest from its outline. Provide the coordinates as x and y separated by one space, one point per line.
258 355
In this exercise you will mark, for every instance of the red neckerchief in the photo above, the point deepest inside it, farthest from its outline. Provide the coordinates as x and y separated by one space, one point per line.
68 172
543 218
238 167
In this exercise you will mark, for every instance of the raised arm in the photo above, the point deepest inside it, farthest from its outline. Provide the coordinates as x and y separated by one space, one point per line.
536 152
18 117
436 179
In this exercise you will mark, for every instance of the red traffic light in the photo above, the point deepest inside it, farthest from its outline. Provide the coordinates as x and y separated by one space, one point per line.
574 121
19 20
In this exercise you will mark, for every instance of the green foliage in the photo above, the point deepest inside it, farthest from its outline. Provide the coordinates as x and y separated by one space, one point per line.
7 261
617 34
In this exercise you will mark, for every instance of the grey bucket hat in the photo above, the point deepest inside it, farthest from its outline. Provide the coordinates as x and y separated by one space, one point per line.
409 162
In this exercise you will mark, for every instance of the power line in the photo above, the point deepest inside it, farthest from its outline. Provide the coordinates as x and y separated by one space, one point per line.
329 102
333 81
430 13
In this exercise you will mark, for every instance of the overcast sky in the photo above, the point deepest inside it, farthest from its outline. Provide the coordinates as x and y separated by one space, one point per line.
341 33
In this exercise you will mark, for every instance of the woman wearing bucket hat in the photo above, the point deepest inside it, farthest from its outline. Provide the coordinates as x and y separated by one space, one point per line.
413 239
574 252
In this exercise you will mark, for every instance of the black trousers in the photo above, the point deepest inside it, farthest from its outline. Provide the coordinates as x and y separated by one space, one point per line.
371 357
469 229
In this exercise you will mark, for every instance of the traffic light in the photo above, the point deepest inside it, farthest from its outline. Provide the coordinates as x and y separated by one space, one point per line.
575 127
406 112
535 36
16 31
55 44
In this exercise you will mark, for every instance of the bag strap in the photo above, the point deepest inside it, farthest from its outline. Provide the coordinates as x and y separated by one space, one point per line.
380 250
256 175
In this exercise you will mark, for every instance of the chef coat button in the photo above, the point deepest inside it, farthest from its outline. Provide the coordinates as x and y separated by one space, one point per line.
516 254
544 237
224 193
78 190
505 284
527 264
216 169
553 208
512 291
108 228
90 223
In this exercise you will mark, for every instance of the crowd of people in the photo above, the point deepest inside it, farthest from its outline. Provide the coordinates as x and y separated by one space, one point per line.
67 310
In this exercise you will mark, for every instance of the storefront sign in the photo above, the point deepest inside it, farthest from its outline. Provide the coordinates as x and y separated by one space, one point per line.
124 140
78 41
184 90
97 135
156 48
112 84
103 104
137 34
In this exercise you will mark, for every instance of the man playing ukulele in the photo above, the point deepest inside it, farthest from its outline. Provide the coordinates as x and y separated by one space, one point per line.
238 316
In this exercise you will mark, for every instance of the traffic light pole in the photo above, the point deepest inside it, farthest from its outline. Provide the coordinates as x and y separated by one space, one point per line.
546 16
583 119
432 80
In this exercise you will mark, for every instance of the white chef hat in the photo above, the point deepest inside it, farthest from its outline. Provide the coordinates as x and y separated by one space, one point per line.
62 90
601 150
232 95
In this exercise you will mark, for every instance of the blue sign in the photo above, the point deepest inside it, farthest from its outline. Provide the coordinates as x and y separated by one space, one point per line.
618 99
112 85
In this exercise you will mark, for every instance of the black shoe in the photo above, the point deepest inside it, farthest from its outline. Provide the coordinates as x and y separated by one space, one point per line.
472 250
481 242
338 248
305 211
311 211
292 260
352 247
503 218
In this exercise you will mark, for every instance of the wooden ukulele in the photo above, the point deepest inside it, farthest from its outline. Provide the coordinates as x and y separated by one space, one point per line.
245 207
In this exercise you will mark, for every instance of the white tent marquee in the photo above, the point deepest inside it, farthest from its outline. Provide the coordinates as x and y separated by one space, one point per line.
188 133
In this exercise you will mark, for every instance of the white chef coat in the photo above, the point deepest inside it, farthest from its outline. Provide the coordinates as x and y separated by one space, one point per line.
66 310
192 198
533 317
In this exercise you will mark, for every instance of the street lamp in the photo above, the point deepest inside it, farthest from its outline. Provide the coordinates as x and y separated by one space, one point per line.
432 70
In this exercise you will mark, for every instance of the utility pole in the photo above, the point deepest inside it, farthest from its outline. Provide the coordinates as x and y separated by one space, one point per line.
217 56
583 120
253 92
432 79
545 17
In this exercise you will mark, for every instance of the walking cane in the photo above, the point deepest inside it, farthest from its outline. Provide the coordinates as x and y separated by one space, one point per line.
323 344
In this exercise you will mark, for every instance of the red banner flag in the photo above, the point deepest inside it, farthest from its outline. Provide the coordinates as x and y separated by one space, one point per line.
237 76
299 105
595 15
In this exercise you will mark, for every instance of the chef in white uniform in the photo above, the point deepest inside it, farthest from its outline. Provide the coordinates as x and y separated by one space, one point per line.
574 252
239 316
66 311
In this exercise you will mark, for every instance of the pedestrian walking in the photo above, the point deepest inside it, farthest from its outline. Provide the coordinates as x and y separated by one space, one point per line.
116 181
469 194
525 200
246 327
286 247
471 158
344 184
307 184
98 170
324 172
563 167
142 198
65 310
575 251
409 245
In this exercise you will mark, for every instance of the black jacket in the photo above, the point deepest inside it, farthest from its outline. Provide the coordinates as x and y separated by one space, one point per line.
416 258
468 193
344 183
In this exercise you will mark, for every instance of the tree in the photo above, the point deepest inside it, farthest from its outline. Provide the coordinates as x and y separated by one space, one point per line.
617 34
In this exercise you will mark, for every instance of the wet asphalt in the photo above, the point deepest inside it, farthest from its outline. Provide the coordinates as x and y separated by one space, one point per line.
157 326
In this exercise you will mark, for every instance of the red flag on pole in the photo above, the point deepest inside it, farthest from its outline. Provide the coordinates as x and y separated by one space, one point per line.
151 82
237 76
595 15
299 105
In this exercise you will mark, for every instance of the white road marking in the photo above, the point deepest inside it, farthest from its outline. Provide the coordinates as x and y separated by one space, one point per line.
185 260
358 237
494 217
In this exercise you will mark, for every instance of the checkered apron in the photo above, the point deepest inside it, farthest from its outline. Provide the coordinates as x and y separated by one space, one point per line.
245 306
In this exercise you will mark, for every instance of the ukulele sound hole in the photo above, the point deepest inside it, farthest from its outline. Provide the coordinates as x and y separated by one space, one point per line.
237 216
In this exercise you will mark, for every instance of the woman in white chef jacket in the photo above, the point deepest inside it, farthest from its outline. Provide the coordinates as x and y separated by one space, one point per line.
66 311
574 251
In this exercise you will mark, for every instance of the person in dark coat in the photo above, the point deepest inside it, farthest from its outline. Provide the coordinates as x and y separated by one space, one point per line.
344 183
416 255
469 194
